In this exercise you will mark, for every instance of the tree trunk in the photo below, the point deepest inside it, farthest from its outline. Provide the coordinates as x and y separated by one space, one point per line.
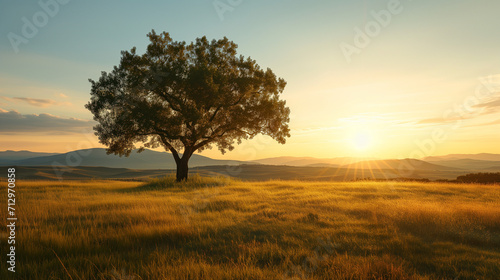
182 163
182 169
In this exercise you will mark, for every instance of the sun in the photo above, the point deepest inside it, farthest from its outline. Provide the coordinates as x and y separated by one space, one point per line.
362 140
363 134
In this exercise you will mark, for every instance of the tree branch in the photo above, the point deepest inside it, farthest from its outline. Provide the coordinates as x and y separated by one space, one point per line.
170 103
215 113
165 142
208 140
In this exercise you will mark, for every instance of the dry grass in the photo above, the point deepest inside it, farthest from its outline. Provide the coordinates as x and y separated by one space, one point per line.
214 228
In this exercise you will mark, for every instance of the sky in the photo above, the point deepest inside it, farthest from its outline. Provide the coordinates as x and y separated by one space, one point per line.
382 79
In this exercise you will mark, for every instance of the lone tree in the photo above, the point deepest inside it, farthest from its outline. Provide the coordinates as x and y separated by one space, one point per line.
186 97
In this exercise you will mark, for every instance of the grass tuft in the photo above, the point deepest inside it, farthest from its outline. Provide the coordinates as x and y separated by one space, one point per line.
193 182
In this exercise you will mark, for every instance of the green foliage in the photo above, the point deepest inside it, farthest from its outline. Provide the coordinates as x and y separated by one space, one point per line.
187 96
481 178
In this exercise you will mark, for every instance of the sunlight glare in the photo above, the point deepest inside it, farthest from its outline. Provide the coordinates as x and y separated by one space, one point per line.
362 140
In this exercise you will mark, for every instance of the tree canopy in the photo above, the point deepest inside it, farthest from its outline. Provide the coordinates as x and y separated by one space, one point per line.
186 98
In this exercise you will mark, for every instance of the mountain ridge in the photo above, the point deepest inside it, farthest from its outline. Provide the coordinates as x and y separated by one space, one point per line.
147 159
480 156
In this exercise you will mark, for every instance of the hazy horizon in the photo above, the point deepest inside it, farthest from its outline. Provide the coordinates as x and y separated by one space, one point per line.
360 158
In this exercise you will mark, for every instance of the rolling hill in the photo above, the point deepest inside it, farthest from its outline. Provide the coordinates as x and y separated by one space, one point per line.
148 159
10 156
244 172
95 163
308 161
398 164
482 156
470 164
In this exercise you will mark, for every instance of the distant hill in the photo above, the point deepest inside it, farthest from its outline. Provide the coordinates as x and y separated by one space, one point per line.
322 165
308 161
343 168
483 156
492 169
148 159
470 164
397 164
19 155
84 173
243 172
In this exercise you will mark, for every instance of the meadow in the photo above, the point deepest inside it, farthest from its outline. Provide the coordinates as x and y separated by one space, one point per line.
217 228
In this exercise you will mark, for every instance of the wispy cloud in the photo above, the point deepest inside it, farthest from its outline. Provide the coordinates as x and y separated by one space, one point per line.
13 121
496 122
481 105
492 82
438 121
35 101
490 104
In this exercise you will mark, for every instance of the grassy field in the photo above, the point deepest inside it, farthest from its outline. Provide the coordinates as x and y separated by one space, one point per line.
222 229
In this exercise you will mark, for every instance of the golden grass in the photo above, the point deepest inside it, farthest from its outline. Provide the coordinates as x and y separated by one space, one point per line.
215 228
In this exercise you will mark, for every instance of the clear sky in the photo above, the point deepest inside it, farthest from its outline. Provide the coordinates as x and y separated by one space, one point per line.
387 79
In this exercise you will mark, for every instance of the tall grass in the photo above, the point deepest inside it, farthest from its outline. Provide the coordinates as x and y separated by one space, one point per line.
217 228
